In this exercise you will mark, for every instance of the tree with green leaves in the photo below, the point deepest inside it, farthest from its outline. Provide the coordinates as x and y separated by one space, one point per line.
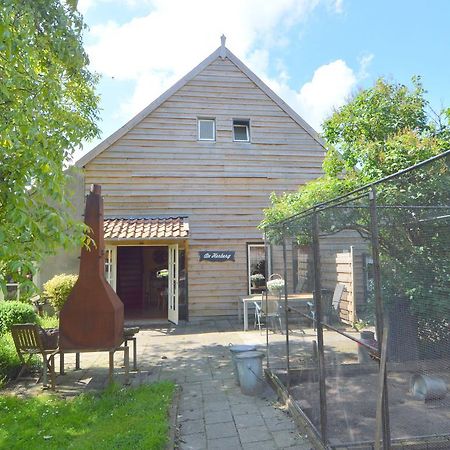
380 131
47 108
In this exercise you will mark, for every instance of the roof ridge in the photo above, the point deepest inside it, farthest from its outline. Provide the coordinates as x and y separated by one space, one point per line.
221 52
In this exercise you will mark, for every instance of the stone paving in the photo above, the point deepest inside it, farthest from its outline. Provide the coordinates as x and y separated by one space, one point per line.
212 411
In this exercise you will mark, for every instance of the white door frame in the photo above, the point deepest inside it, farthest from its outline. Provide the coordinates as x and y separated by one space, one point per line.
172 297
173 279
111 265
268 256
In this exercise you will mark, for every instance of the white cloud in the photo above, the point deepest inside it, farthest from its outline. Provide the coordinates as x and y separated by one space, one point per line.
161 47
364 63
155 50
339 6
329 88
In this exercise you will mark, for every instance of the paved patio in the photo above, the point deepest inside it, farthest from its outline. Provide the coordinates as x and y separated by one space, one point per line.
213 413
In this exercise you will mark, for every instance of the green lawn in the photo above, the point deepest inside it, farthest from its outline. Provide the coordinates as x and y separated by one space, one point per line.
119 418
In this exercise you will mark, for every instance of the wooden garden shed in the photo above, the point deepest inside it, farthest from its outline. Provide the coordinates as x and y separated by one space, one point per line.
185 183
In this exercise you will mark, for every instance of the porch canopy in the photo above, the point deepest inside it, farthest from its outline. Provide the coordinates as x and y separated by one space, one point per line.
146 228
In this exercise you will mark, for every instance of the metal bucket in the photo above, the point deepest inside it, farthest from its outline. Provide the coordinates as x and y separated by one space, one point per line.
251 377
368 337
426 388
236 350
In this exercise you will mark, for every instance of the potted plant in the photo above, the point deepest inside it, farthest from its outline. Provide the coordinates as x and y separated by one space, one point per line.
257 280
275 286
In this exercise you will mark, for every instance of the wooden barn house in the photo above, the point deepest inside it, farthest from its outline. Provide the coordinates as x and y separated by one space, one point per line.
184 185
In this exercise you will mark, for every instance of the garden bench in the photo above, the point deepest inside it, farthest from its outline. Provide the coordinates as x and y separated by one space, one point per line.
28 339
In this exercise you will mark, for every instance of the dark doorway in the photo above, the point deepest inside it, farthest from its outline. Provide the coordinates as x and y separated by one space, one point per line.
142 281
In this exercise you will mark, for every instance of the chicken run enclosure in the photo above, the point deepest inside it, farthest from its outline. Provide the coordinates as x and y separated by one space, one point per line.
369 367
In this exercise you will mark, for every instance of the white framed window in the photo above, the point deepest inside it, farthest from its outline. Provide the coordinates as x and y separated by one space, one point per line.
206 129
241 130
258 259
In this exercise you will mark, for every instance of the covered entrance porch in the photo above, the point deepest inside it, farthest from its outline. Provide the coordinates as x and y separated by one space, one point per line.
146 264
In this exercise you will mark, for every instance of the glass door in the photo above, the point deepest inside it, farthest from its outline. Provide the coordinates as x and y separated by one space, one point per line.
173 284
110 265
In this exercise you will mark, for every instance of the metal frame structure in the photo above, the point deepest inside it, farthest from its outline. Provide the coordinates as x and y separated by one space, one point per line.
283 227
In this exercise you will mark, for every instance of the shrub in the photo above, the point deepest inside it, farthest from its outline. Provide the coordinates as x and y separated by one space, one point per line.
12 312
47 321
9 360
58 289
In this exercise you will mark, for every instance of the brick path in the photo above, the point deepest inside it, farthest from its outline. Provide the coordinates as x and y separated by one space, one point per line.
213 413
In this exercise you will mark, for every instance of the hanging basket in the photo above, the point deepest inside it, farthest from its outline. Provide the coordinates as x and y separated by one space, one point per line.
275 285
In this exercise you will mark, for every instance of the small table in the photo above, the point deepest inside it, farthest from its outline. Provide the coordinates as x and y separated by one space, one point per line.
129 334
246 299
111 351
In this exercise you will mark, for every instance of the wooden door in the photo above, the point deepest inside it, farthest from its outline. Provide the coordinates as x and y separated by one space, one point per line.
129 277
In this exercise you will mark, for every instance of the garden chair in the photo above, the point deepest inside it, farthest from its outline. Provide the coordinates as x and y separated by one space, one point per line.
335 303
28 341
272 315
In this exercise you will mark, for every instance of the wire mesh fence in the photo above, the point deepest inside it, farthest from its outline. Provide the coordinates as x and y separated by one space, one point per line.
370 265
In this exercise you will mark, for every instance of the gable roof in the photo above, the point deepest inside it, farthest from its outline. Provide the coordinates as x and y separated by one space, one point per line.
223 53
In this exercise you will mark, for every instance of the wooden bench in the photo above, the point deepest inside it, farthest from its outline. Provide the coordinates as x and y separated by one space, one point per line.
28 341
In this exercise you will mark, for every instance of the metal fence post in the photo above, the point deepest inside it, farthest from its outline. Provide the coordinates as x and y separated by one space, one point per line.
286 314
319 321
374 235
264 297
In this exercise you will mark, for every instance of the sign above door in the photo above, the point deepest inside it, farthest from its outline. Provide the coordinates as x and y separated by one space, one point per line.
216 255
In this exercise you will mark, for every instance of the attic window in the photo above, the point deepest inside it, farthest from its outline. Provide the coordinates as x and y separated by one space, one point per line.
206 130
241 130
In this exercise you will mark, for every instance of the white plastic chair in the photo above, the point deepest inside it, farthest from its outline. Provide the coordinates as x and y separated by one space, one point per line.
272 315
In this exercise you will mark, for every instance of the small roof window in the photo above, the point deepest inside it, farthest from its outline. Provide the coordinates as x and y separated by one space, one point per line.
206 129
241 130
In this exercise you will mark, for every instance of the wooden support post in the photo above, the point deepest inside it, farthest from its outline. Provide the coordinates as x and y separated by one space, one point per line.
381 390
44 370
319 323
134 354
374 235
286 316
126 358
61 363
111 366
352 311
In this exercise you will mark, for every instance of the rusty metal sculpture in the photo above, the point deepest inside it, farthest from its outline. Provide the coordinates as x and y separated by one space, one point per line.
92 317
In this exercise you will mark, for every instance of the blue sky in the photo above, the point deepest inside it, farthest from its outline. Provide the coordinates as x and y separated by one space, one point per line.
313 53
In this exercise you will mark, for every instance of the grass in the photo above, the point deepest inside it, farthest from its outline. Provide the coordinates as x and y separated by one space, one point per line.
119 418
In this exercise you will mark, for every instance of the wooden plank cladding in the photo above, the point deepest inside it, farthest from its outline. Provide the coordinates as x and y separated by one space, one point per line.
155 166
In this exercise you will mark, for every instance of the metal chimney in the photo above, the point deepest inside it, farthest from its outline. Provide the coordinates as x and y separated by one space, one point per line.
92 317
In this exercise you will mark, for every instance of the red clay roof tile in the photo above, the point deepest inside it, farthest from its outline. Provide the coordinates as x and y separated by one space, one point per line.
146 228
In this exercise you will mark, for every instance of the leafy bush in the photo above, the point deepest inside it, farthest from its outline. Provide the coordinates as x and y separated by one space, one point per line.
9 361
58 289
47 321
12 312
